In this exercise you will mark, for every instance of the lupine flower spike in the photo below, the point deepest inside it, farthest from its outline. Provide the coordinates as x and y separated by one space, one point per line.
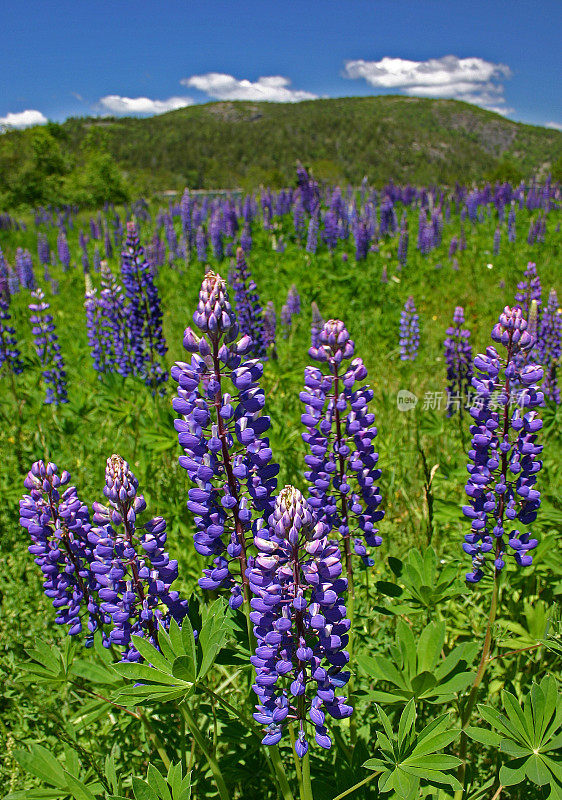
227 456
134 572
48 349
409 331
300 624
504 458
458 357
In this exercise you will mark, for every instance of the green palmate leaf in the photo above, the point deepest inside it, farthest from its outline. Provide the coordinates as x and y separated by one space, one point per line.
514 749
423 684
141 672
435 762
94 673
185 669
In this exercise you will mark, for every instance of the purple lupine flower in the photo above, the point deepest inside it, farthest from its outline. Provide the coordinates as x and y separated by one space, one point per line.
453 246
550 346
317 325
4 285
342 465
48 349
511 229
94 326
504 454
9 351
298 217
497 240
114 328
361 236
144 312
308 189
462 239
58 524
458 358
216 235
134 571
201 244
403 242
13 281
409 331
227 456
330 232
24 268
294 300
300 623
246 239
63 251
270 328
248 305
43 248
529 289
312 235
108 247
171 236
97 259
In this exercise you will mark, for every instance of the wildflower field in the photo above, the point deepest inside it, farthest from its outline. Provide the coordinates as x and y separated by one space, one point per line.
313 548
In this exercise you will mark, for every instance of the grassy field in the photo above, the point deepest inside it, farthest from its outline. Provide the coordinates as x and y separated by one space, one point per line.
107 414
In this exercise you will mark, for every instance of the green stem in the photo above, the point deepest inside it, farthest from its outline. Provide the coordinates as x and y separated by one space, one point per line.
284 787
471 701
155 739
306 784
357 786
211 760
296 759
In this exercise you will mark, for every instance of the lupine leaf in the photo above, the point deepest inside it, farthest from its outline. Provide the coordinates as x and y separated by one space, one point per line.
537 770
142 790
151 654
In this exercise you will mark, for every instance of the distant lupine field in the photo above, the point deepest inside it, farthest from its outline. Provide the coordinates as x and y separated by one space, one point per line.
288 474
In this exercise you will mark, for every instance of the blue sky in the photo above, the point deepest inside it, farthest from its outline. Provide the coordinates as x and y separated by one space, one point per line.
60 58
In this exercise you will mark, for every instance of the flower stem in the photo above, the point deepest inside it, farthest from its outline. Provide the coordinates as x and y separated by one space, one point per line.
357 786
306 784
211 760
471 701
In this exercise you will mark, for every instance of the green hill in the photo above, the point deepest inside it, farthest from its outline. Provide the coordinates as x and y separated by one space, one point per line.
232 144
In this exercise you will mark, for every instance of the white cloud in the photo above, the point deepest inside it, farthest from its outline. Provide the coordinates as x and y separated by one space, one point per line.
274 88
22 119
473 80
557 126
142 105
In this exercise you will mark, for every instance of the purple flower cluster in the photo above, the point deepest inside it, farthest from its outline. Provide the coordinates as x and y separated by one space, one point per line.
504 455
24 268
300 624
550 345
270 327
340 431
132 569
227 456
529 289
248 305
409 331
9 351
317 325
143 313
58 524
458 358
113 570
48 349
63 251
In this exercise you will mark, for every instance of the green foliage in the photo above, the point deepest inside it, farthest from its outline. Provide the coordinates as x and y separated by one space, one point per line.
418 669
173 671
407 758
530 736
245 144
175 786
424 585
